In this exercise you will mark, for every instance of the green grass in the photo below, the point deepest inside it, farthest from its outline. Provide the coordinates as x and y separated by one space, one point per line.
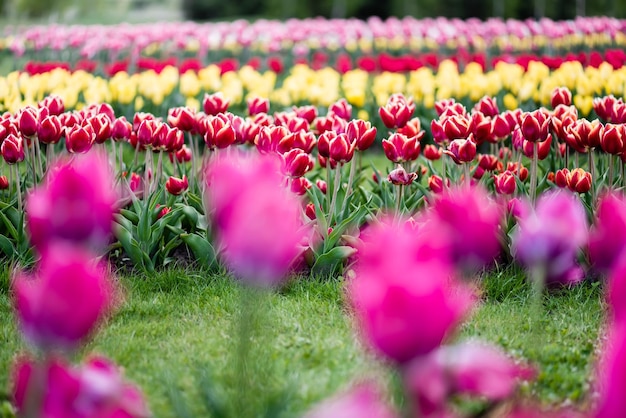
175 334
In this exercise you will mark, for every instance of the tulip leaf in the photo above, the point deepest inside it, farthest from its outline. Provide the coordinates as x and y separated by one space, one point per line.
9 225
130 215
201 248
7 246
355 218
196 202
330 261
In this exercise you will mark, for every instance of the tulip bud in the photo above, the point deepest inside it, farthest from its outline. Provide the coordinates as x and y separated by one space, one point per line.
79 139
258 105
164 211
214 104
560 177
505 183
400 177
432 152
518 169
321 184
342 109
305 141
13 149
300 185
361 133
101 127
398 148
341 149
612 141
487 106
27 121
310 211
274 139
543 148
120 129
219 133
306 112
535 126
397 112
436 185
4 183
296 163
561 96
146 131
176 186
579 180
54 104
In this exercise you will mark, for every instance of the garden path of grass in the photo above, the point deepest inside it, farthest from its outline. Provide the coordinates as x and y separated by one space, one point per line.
175 324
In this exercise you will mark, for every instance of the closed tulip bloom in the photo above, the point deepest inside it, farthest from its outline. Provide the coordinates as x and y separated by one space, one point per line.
101 125
306 141
400 177
535 126
214 104
505 183
176 186
75 202
182 118
321 184
296 163
607 240
518 169
399 148
361 133
461 150
49 130
612 140
561 96
432 152
4 183
560 177
402 278
543 148
258 105
413 128
219 133
299 185
27 121
54 104
579 180
62 304
274 139
436 185
549 237
256 220
13 149
342 109
341 149
457 127
397 112
487 106
79 139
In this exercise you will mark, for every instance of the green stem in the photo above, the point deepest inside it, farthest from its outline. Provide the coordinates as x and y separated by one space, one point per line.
333 201
533 174
400 189
592 171
610 171
353 166
16 175
468 177
39 163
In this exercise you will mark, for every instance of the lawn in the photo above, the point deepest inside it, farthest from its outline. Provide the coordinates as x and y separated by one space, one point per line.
176 332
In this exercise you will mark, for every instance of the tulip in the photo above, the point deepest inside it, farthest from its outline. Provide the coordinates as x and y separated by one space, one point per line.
471 222
4 183
321 184
296 163
612 140
258 105
309 211
457 127
542 148
501 127
561 96
466 369
413 129
341 149
306 112
400 177
120 129
101 126
397 112
183 155
306 141
535 126
219 133
560 177
436 184
505 183
398 148
54 104
176 186
163 211
182 118
214 104
361 401
342 109
28 121
13 149
401 278
361 133
487 106
62 304
518 169
49 130
579 180
461 150
300 185
79 139
274 139
549 237
432 152
607 239
256 221
75 202
482 128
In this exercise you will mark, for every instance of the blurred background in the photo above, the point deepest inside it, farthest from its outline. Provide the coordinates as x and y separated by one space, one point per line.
111 11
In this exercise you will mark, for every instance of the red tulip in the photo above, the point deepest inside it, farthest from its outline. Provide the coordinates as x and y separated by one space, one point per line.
342 109
219 133
487 106
501 128
146 132
398 148
561 96
214 104
432 152
321 184
299 185
579 180
79 139
535 126
101 126
400 177
436 185
183 155
258 105
457 127
361 133
560 177
341 149
612 141
28 121
505 183
306 112
461 150
518 169
543 148
176 186
182 118
13 149
296 163
50 130
54 104
305 141
274 139
397 112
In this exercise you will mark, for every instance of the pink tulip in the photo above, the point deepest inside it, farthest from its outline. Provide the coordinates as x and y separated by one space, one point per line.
258 105
471 368
214 104
79 139
176 186
255 218
402 278
471 221
12 149
75 202
607 240
550 236
182 118
61 304
361 401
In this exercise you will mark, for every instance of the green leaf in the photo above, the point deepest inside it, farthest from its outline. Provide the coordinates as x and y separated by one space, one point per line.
355 218
201 248
10 227
330 261
7 246
130 215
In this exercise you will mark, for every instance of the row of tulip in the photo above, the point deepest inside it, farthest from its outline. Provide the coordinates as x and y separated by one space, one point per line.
512 86
301 37
403 269
341 62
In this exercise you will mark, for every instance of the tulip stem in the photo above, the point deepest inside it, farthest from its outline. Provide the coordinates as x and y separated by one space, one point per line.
121 152
49 155
39 163
336 187
146 174
353 167
399 200
16 174
610 171
538 281
444 174
159 172
468 178
533 174
592 171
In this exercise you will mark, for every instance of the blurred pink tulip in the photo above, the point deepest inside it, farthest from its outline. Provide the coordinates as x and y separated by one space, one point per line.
607 240
402 278
63 301
256 220
361 401
75 202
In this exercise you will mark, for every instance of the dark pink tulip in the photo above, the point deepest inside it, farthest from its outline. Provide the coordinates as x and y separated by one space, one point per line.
612 140
219 133
413 128
306 141
561 96
183 155
147 130
361 133
487 106
104 109
342 109
607 239
256 220
402 278
550 236
432 152
176 186
182 118
214 104
50 130
400 177
505 183
321 184
543 148
341 149
13 149
101 125
4 183
436 185
75 202
535 125
28 121
54 104
274 139
306 112
62 304
398 148
457 127
470 220
296 163
361 401
79 139
299 185
461 150
472 368
258 105
397 112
